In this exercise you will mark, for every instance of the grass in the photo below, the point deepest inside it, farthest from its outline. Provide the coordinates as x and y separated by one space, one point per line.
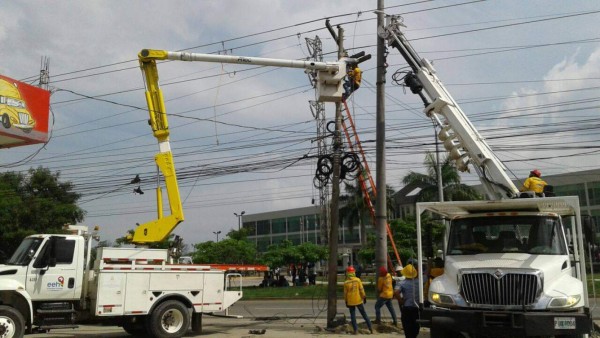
320 290
298 292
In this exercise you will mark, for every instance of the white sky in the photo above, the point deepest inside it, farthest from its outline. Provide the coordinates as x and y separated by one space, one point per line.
524 86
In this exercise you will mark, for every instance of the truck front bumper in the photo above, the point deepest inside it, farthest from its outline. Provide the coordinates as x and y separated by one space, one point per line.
505 323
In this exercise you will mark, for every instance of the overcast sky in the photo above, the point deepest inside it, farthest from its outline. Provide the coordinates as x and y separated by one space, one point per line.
526 73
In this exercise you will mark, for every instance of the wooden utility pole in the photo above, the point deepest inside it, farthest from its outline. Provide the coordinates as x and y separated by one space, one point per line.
381 201
335 197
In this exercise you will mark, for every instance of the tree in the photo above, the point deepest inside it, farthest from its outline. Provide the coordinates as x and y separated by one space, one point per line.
37 202
355 209
227 251
453 190
286 253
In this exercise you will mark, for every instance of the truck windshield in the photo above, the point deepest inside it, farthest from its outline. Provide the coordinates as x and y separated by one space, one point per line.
540 235
25 251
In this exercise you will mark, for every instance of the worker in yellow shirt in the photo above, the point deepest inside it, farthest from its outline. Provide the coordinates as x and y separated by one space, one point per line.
385 294
353 81
534 183
355 296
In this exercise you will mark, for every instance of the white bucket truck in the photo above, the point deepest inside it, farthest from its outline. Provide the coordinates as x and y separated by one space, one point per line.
50 282
514 267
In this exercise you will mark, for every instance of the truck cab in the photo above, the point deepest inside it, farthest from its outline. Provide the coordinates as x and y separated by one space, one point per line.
512 265
43 280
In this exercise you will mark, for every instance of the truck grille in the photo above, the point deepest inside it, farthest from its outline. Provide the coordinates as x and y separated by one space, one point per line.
500 289
23 118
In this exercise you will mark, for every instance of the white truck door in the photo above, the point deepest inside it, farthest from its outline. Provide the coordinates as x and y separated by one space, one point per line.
52 274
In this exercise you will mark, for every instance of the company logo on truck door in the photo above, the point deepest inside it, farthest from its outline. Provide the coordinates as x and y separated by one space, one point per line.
58 285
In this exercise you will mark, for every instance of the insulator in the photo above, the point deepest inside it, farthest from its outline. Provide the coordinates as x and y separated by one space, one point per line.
445 134
457 153
462 164
451 143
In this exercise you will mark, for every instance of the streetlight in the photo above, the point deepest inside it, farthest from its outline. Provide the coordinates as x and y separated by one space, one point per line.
239 218
217 233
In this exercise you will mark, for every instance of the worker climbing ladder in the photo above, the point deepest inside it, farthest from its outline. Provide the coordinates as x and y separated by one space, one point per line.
365 177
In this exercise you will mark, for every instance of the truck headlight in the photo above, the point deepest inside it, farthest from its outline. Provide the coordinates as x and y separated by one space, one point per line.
565 301
441 299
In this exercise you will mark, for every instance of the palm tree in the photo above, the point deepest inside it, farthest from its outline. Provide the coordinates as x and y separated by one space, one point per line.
355 210
452 188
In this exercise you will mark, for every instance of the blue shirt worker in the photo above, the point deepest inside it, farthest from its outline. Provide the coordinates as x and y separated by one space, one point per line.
355 296
409 311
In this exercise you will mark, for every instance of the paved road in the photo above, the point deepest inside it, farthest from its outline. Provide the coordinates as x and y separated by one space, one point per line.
289 318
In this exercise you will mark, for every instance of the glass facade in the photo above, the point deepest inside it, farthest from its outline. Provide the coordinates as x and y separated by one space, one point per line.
297 229
594 193
294 223
263 227
278 226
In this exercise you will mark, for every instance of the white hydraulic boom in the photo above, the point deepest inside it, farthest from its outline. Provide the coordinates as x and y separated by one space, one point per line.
464 144
330 76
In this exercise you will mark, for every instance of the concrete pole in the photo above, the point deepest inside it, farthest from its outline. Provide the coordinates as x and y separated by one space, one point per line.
335 198
380 182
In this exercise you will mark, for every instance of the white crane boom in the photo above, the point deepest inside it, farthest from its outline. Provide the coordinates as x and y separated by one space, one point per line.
463 142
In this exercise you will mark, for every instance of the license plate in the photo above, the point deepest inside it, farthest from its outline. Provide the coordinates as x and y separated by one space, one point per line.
564 323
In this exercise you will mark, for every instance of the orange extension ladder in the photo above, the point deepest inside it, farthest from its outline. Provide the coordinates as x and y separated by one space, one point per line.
365 171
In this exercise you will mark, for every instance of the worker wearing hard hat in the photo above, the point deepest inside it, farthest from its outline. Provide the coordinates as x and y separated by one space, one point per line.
355 296
352 82
408 290
534 183
385 291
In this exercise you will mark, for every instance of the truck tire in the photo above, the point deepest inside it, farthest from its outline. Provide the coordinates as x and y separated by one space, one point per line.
12 323
135 329
170 319
5 121
197 322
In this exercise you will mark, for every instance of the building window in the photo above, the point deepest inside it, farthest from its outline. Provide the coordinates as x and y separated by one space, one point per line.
278 239
262 244
294 224
594 193
295 239
263 227
279 226
572 190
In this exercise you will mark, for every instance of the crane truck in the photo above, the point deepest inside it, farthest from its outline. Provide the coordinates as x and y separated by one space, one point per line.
515 263
52 281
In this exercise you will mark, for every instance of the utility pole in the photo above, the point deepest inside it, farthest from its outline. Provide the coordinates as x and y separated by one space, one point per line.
381 201
335 195
315 48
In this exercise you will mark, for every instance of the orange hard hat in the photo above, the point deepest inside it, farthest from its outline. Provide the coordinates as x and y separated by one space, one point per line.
382 270
536 172
350 269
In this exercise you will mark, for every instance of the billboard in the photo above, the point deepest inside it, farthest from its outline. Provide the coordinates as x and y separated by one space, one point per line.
24 111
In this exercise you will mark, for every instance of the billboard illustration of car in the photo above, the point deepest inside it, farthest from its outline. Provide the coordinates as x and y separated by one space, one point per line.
24 111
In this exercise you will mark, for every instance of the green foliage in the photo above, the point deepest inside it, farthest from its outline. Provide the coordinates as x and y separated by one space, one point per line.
227 251
37 202
239 235
286 253
452 188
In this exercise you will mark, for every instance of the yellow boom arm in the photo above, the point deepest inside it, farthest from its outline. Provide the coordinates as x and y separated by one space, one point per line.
330 77
159 229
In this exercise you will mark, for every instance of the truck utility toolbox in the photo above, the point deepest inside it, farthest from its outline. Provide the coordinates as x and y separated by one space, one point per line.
48 284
